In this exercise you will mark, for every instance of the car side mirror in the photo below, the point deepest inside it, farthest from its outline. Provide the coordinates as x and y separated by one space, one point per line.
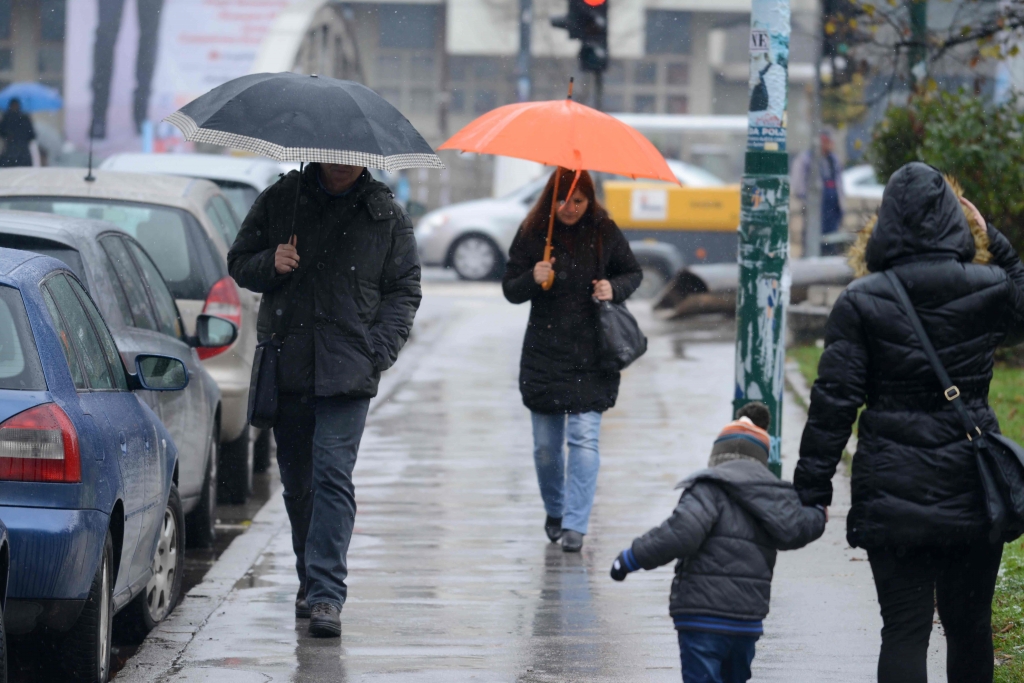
214 332
159 373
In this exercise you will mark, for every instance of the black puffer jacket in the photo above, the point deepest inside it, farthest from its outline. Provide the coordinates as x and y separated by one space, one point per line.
355 306
915 479
725 531
559 372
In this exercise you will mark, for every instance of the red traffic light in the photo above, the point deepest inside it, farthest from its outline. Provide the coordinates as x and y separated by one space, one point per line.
594 3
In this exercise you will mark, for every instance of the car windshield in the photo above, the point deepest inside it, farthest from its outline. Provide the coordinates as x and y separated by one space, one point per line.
71 258
239 195
165 233
19 361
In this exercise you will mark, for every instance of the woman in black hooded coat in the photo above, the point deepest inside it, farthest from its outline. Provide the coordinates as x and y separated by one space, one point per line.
560 379
917 499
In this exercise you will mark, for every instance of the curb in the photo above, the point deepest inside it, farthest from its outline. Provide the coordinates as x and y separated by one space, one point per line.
162 649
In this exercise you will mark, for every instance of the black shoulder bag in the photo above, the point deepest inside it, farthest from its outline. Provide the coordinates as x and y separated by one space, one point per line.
1000 460
619 339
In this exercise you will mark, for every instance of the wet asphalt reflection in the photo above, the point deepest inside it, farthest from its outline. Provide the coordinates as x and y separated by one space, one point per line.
451 575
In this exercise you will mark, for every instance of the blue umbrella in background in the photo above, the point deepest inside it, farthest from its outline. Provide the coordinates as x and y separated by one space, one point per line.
33 97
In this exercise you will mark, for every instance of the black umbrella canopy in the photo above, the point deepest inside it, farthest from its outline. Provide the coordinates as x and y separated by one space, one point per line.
292 117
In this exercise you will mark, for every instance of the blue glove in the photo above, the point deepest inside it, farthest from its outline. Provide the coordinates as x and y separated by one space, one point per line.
624 564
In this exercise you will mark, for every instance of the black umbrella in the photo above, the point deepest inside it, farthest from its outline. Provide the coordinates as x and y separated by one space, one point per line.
291 117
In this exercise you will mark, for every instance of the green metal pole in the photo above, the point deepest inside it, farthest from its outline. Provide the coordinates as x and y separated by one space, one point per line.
763 256
918 56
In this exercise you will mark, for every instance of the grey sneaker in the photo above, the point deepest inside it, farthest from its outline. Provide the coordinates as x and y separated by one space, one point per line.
301 606
572 541
325 621
553 528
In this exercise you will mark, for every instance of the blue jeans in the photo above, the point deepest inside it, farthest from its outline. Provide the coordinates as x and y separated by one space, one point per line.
580 478
715 657
317 442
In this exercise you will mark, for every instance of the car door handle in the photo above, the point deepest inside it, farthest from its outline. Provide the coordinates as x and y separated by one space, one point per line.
124 443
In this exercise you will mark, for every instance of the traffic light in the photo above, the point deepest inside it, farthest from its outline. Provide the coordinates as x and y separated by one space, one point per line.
587 21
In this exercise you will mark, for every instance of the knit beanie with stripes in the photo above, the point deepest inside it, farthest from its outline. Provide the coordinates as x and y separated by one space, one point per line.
740 440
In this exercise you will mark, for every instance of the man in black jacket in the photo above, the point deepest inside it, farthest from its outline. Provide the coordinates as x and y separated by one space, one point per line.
335 259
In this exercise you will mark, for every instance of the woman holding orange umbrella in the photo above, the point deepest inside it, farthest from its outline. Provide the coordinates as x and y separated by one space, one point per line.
560 378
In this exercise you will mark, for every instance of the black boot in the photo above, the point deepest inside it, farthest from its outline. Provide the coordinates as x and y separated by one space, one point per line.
553 528
301 606
325 621
572 541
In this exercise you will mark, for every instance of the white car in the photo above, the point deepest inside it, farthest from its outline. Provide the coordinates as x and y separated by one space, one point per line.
859 182
474 237
241 179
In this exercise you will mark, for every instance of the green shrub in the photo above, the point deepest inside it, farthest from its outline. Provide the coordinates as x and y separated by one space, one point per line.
979 143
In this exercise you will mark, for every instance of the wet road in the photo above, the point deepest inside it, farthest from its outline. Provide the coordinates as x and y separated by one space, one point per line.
452 578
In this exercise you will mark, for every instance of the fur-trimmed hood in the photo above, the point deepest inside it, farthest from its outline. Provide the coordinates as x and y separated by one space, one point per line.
920 217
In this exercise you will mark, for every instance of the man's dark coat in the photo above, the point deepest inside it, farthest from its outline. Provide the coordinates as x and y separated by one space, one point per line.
354 307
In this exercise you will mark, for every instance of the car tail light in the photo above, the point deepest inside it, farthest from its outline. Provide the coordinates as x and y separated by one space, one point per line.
222 301
40 444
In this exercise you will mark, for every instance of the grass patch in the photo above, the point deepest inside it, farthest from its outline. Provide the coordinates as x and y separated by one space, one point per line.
807 358
1008 616
1006 396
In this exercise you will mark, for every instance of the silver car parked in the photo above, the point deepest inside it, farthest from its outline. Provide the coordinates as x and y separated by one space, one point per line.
185 226
138 308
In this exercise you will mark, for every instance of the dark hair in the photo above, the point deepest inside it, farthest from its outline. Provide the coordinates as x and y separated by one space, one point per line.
13 101
539 215
757 412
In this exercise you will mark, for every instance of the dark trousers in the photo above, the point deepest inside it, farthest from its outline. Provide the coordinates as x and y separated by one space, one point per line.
107 28
715 657
317 443
960 580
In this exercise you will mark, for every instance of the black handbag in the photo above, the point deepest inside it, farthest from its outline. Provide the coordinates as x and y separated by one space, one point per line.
619 339
1000 459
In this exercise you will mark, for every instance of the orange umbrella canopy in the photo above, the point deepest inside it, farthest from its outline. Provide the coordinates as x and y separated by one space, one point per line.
563 133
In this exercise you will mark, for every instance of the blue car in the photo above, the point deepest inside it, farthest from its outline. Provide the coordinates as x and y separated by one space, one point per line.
87 470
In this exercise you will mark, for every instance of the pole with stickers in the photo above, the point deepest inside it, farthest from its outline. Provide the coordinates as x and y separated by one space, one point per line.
763 255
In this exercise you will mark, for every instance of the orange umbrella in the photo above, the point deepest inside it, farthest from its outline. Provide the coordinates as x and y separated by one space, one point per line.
563 133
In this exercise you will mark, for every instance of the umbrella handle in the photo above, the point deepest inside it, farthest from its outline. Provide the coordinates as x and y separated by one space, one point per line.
551 229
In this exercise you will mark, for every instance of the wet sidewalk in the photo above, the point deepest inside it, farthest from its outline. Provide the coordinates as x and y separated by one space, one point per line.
452 578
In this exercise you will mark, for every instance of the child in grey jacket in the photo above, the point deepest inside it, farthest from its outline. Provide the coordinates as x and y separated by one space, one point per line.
724 533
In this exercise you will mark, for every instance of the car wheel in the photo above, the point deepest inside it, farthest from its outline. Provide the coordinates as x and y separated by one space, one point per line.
200 526
261 452
164 587
235 470
475 257
654 281
87 647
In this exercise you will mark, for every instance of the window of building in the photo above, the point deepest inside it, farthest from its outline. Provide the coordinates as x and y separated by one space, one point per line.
51 59
645 73
667 32
644 104
614 103
422 66
5 19
677 73
421 100
51 20
389 67
677 104
458 101
484 101
616 73
407 26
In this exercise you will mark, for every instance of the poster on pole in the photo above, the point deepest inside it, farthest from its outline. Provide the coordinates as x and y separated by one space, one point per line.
769 69
130 63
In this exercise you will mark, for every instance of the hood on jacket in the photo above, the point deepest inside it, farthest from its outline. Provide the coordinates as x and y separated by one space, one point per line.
856 256
920 219
771 501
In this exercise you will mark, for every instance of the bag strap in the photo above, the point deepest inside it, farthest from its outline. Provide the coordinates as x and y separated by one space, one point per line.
600 254
283 321
951 392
